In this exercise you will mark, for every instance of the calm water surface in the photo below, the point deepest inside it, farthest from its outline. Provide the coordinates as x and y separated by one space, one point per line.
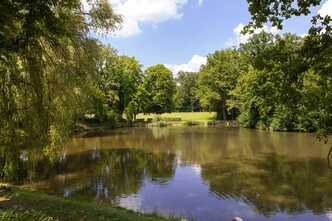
206 173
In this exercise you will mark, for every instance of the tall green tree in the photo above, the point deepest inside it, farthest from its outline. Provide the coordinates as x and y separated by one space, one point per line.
216 79
318 52
257 50
316 48
129 74
159 86
119 77
271 92
185 98
47 62
102 107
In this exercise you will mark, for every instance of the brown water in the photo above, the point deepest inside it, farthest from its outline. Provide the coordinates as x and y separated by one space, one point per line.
206 173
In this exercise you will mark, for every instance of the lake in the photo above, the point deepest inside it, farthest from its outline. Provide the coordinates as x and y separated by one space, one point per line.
204 173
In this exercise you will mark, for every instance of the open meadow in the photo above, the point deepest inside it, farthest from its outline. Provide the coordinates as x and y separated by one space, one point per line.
185 116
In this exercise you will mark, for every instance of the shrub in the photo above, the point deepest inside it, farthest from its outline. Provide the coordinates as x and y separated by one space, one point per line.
192 123
162 123
158 121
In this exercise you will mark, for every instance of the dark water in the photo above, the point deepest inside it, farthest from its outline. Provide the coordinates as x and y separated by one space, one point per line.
206 173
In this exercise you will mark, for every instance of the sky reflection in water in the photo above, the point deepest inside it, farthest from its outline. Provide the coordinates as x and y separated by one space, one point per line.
205 173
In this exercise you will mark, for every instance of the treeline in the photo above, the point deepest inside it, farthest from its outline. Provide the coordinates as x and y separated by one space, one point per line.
279 82
123 90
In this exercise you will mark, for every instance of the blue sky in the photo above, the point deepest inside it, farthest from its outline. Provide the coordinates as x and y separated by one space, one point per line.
181 33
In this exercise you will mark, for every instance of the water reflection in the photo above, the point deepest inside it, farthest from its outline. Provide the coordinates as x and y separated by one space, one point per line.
206 173
273 184
106 175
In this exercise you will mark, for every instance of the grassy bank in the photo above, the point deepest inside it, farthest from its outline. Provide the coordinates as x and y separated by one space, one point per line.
185 116
21 204
90 124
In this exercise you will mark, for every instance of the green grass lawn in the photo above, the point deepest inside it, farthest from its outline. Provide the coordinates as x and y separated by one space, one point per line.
20 204
185 116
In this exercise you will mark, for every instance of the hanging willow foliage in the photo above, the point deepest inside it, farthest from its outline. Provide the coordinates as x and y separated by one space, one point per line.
47 66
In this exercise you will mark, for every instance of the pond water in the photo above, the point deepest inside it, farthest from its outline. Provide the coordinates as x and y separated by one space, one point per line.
202 173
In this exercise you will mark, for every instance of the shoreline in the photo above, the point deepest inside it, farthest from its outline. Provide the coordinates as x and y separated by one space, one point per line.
19 203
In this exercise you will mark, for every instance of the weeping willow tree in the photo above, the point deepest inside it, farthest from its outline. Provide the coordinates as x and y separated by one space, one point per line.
47 64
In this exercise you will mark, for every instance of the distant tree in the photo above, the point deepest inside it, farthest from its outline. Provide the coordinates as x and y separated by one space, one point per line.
159 87
185 90
139 102
102 101
119 77
216 79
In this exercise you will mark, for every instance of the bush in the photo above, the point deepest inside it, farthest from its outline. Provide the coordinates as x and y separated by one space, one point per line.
192 123
157 118
162 123
158 121
178 118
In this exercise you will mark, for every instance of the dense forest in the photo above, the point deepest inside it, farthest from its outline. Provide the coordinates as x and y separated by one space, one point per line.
53 72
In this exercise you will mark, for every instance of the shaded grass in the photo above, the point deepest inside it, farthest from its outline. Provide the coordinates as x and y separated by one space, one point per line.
185 116
19 202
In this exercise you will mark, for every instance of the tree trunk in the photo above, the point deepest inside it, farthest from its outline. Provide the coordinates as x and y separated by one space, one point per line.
224 112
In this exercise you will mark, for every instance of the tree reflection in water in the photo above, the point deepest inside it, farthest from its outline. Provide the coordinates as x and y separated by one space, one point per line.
106 175
208 172
273 184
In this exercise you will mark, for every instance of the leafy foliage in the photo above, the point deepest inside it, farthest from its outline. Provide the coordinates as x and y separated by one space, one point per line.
282 91
276 11
118 81
159 87
216 79
315 54
47 62
185 98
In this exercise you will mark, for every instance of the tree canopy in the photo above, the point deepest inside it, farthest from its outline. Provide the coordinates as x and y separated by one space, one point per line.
185 99
47 65
280 88
277 11
118 80
216 79
315 51
159 86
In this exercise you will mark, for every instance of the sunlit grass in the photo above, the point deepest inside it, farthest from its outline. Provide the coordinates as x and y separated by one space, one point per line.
185 116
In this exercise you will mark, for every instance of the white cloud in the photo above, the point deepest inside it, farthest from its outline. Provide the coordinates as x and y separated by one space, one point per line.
145 11
240 38
129 28
200 2
192 66
326 9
